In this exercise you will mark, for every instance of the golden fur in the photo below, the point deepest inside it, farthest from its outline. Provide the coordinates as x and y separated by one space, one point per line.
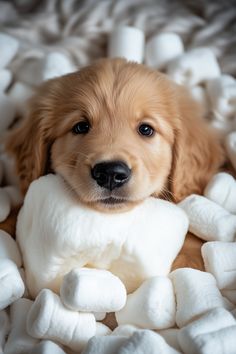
116 96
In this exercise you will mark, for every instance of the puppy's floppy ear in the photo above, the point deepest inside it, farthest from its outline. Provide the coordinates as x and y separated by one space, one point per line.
197 151
29 146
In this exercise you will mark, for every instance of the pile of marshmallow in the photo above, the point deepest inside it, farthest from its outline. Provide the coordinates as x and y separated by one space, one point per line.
187 311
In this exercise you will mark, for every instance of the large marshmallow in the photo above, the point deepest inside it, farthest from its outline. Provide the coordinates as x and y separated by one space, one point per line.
4 329
56 236
155 302
126 42
47 347
56 64
208 220
220 260
7 112
162 48
209 334
19 341
49 319
20 93
222 190
230 145
222 94
92 290
11 283
9 47
5 79
102 330
9 248
194 67
5 205
196 293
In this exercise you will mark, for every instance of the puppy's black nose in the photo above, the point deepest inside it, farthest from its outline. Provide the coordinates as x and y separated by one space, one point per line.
111 175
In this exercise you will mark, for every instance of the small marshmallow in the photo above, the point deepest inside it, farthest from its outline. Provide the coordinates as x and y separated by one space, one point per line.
20 94
5 79
5 205
11 283
196 293
7 112
9 47
104 345
15 195
209 334
48 312
19 341
99 316
162 48
220 260
208 220
126 42
4 329
155 302
194 67
9 248
222 190
47 347
92 290
56 64
230 145
102 330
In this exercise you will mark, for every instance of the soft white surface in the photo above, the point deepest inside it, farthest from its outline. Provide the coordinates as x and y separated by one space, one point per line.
208 220
19 341
162 48
5 205
196 293
47 347
194 67
127 42
126 330
222 190
56 64
19 94
212 333
220 260
92 290
9 248
49 319
9 47
102 329
11 283
151 306
4 329
57 236
230 144
104 345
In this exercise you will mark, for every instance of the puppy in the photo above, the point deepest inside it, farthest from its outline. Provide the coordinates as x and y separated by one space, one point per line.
117 132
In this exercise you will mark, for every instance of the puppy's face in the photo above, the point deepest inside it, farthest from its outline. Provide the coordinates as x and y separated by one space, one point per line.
114 130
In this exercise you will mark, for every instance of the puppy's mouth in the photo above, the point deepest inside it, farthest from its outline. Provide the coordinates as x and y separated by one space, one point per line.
112 201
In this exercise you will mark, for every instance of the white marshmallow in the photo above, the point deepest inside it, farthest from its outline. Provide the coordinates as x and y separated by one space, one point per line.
126 42
222 190
11 284
5 205
143 342
9 47
4 329
196 293
209 333
208 220
56 237
194 67
99 316
230 145
220 260
29 67
15 195
125 330
20 94
19 342
7 112
162 48
9 248
47 347
22 274
222 94
102 330
230 295
104 345
48 312
199 95
5 79
151 306
56 64
92 290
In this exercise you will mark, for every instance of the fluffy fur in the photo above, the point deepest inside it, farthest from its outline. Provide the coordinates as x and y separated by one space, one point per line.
116 96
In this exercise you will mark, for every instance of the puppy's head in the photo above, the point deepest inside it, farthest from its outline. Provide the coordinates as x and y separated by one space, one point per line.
110 130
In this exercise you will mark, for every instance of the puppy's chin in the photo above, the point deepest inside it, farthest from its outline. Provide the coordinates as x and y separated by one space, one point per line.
111 205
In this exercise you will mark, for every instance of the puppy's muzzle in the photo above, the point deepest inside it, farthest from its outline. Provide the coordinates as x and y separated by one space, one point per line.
111 175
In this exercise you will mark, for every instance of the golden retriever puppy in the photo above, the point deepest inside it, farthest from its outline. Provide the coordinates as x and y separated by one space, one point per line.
118 132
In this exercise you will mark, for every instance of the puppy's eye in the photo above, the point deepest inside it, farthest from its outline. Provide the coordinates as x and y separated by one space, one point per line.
81 127
146 130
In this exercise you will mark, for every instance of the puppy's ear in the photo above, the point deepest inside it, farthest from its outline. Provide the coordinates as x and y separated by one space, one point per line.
197 151
29 146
